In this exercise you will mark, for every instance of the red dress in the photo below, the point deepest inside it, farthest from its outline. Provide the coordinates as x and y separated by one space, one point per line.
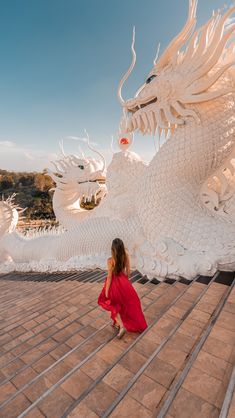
124 300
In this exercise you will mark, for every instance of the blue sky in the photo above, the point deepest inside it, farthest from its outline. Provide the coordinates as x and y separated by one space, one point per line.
61 61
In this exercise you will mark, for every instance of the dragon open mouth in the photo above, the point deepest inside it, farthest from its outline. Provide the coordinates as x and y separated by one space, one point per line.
141 106
100 180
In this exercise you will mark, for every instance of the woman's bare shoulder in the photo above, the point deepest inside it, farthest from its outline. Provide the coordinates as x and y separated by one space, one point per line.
110 261
127 254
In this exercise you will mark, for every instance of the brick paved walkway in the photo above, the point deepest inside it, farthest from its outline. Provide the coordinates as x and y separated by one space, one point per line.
59 356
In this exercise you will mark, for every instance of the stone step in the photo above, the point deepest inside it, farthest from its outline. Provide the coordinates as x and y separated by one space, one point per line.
73 364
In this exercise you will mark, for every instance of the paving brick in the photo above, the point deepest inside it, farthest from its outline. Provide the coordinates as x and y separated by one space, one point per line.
12 368
226 320
5 338
165 325
191 329
30 324
95 366
218 348
55 404
11 344
76 384
161 372
82 411
35 413
129 407
74 340
96 400
206 387
31 355
118 377
133 361
86 332
57 372
188 405
36 389
47 345
223 334
229 307
148 392
206 307
17 331
6 391
171 355
199 316
15 407
44 362
211 365
110 352
182 342
146 346
24 377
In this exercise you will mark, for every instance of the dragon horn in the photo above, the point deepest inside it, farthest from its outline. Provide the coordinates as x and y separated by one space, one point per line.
182 37
61 145
157 54
94 150
126 75
111 144
81 152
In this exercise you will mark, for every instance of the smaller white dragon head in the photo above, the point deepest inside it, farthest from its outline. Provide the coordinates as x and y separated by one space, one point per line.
80 175
186 74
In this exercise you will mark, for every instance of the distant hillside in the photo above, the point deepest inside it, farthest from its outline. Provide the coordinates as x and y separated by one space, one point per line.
32 191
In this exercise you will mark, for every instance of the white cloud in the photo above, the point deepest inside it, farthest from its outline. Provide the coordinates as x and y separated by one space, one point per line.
29 156
7 144
14 158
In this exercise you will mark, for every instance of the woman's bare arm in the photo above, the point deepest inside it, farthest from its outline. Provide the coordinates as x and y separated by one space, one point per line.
109 277
128 265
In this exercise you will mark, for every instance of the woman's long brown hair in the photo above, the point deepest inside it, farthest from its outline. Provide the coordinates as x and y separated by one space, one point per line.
119 256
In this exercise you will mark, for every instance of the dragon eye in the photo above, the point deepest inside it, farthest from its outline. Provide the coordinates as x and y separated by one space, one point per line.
149 79
81 167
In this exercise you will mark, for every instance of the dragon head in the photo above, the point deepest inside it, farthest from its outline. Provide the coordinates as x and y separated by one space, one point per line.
187 73
80 177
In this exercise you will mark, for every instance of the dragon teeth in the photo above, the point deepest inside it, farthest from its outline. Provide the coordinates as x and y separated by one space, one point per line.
152 122
145 120
134 122
139 121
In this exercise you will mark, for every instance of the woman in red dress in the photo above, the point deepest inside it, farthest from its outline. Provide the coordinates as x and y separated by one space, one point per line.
119 296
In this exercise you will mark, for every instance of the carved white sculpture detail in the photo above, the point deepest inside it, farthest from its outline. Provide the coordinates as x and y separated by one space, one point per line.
164 211
77 178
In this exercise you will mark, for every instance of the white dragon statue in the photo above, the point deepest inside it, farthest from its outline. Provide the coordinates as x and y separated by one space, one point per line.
175 214
77 178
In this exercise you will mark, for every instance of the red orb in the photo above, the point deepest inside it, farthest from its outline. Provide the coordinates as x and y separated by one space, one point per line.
124 141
